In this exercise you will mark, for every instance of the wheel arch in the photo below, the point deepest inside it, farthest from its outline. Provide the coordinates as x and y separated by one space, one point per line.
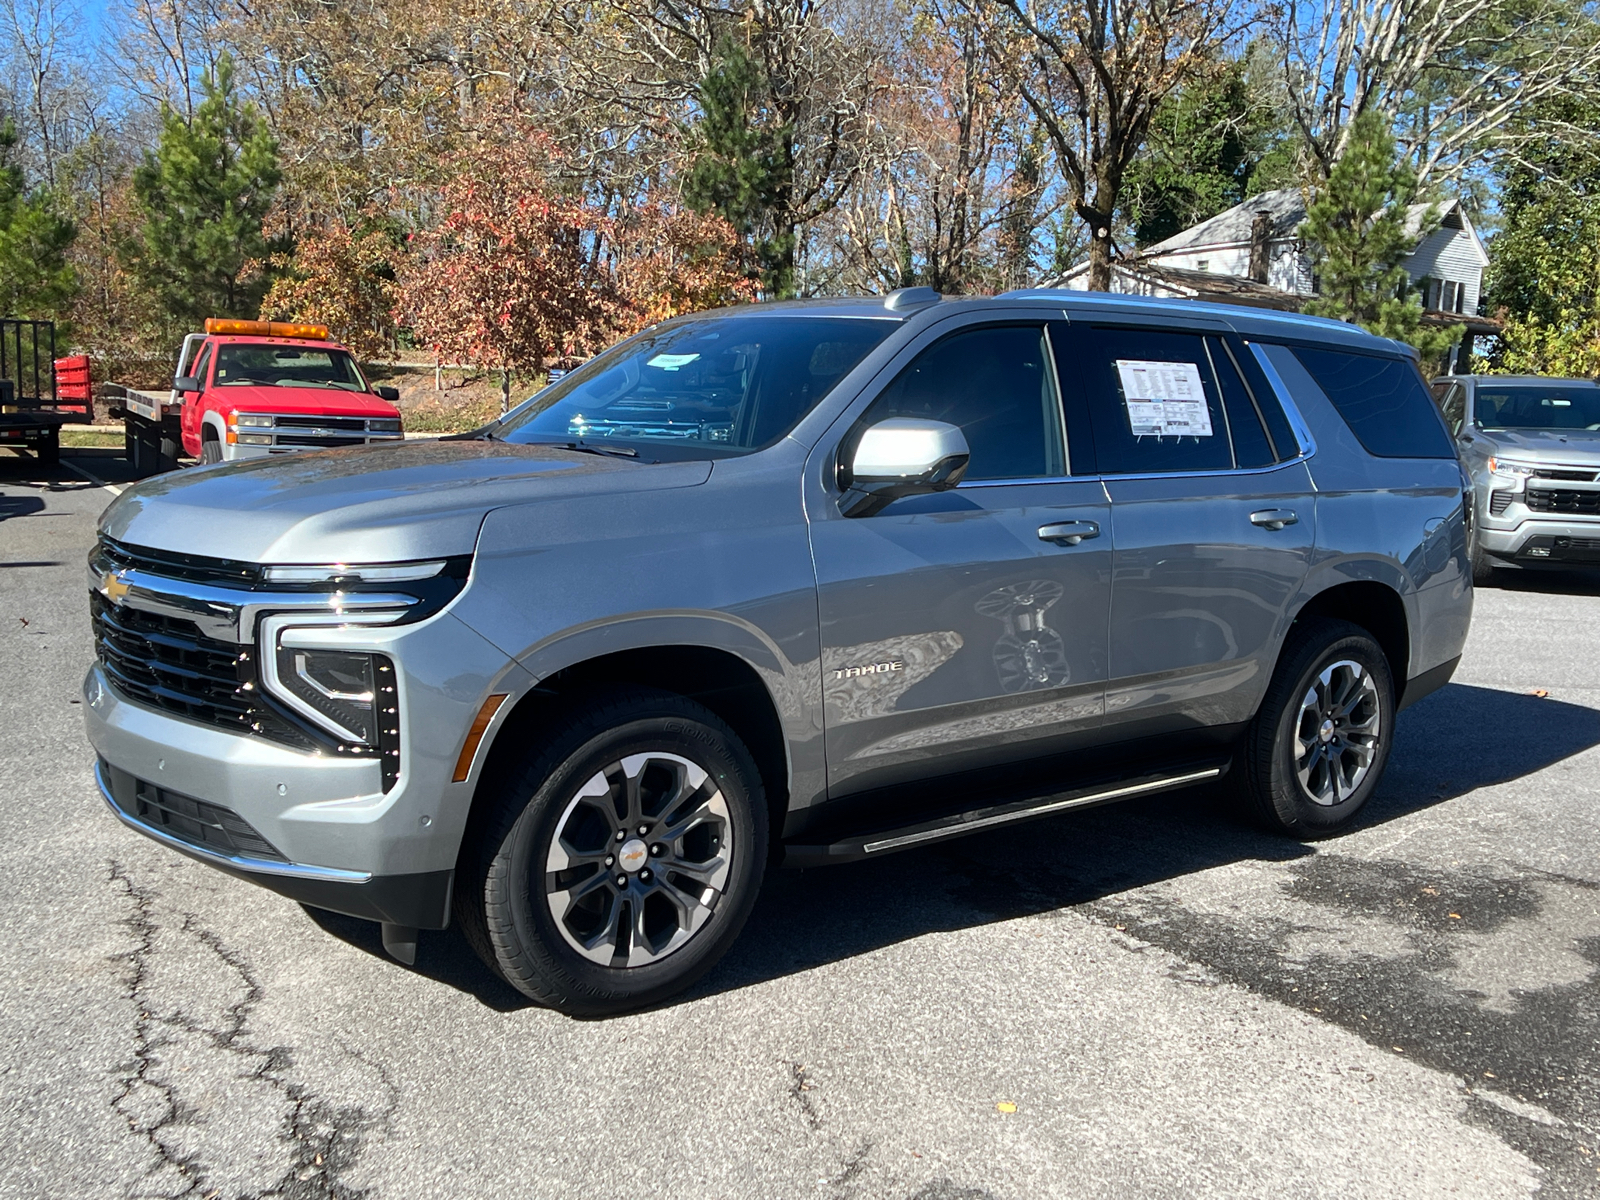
723 681
1378 608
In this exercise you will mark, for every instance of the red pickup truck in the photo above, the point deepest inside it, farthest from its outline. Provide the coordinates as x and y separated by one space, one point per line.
245 389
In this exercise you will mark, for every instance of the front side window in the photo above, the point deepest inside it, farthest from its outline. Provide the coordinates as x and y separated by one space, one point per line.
198 371
1536 406
266 365
997 385
1453 408
729 385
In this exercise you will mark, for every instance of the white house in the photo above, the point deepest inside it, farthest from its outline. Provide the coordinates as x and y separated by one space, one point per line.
1258 242
1252 254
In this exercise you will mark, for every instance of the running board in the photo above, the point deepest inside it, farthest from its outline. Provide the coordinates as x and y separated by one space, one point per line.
887 841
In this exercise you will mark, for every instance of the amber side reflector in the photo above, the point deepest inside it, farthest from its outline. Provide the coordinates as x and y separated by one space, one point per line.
469 748
283 329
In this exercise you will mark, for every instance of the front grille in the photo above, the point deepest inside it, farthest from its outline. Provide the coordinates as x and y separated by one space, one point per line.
357 424
1566 476
1564 500
320 443
166 663
192 568
1498 503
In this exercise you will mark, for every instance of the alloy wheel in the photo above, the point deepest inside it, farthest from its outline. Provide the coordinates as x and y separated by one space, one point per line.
1337 732
639 860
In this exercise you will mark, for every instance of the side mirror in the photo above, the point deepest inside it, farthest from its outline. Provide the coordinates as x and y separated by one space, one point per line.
186 384
903 456
385 392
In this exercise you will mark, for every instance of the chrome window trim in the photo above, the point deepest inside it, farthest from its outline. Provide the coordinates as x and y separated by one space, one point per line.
1297 423
227 614
258 866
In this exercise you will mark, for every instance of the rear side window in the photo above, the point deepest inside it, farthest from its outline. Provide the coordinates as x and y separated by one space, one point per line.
1283 438
1153 400
1383 400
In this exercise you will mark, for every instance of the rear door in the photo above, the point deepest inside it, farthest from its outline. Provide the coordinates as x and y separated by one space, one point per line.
1215 523
966 628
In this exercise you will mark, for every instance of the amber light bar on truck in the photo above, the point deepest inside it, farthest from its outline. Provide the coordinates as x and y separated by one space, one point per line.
283 329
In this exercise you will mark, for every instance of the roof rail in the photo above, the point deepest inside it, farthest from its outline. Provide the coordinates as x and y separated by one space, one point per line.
906 299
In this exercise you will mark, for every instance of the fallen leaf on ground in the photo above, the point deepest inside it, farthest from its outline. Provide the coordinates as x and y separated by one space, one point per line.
1006 1106
1540 692
1455 916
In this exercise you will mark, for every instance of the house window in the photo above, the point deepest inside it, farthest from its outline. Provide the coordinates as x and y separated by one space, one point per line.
1202 264
1452 296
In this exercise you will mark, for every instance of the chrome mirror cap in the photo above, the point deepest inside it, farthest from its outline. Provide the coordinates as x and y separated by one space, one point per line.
907 450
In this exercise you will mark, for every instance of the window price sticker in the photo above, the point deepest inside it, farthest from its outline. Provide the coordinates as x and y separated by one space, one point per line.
1164 399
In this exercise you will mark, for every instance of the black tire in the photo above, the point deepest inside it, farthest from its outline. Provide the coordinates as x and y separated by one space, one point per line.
210 450
504 881
1482 564
1273 753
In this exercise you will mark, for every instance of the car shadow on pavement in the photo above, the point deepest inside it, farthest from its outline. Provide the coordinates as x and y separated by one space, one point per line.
807 919
1550 581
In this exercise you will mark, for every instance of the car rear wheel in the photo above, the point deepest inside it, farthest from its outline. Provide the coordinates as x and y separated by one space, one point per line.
616 864
1317 748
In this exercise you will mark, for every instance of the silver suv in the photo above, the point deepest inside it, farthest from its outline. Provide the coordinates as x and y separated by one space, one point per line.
1532 447
796 583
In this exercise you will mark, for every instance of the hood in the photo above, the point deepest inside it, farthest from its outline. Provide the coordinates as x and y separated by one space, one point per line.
312 401
420 499
1579 446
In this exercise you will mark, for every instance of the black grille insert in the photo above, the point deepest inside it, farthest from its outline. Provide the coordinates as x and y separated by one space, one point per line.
168 664
1566 476
1564 500
321 443
1499 502
199 823
190 567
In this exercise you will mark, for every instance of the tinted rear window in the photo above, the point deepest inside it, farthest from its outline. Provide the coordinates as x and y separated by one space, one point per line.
1383 400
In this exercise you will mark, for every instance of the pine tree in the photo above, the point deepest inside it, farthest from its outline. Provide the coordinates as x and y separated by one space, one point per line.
1357 229
202 196
36 281
743 168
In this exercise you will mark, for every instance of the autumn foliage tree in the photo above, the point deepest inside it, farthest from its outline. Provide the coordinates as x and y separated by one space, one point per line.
509 276
343 278
670 262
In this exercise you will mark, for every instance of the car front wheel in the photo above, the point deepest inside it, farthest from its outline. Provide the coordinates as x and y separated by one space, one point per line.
615 865
1318 746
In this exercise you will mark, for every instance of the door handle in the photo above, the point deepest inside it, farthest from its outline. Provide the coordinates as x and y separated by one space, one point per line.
1069 533
1275 518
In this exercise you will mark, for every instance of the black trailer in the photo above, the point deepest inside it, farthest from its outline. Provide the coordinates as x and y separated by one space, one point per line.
31 412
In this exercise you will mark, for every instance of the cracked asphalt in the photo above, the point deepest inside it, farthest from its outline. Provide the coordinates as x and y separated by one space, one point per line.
1148 1000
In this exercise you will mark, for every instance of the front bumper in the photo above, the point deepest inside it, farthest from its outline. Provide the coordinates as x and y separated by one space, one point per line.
420 900
1537 541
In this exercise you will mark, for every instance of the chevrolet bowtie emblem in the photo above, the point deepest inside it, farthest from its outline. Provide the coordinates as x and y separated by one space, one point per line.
113 586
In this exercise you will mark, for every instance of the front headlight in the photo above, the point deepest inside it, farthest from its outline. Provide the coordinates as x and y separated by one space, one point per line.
339 687
351 697
1513 474
251 421
384 425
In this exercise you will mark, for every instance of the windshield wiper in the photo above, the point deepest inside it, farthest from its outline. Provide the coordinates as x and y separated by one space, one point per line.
607 451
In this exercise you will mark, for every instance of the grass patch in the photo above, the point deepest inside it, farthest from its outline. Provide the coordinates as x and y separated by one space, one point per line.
85 438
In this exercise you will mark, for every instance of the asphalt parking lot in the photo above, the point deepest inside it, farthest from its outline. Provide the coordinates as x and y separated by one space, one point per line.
1148 1000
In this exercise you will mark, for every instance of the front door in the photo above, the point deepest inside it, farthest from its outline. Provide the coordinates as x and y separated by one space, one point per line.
1215 525
967 628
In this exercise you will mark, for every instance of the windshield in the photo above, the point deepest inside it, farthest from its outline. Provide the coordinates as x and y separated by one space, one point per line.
731 384
286 366
1537 406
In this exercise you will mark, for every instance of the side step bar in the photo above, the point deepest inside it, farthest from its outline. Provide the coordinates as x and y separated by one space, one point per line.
888 841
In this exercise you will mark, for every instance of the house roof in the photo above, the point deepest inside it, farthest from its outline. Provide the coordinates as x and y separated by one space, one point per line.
1287 209
1195 285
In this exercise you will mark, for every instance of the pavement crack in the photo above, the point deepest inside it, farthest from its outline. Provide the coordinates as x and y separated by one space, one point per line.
149 1105
853 1166
799 1085
324 1139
